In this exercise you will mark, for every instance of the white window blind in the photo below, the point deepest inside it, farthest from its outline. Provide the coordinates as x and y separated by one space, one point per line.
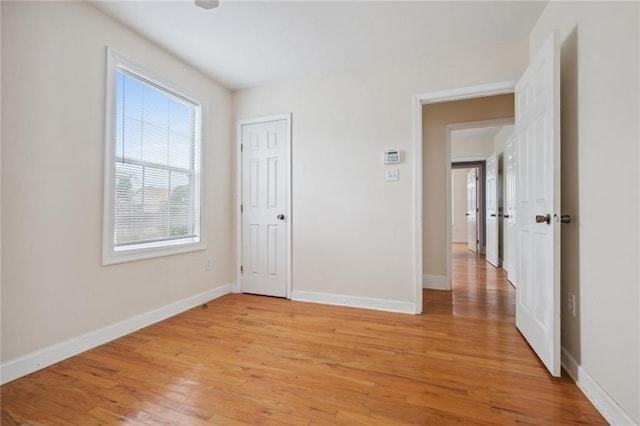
155 187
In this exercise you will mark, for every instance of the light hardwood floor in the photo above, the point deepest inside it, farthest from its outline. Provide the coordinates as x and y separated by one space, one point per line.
259 360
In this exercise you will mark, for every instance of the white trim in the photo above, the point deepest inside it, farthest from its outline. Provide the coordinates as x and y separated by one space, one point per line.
436 282
288 117
238 210
610 410
354 301
43 358
638 236
469 92
417 202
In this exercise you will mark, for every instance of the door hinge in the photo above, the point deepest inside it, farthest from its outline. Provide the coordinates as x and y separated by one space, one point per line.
477 241
241 208
241 147
241 269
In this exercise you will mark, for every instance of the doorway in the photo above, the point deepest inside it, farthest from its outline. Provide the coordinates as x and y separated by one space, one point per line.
467 214
440 123
460 206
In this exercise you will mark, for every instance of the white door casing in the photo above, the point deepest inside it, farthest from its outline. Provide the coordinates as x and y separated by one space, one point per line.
265 206
537 132
472 210
510 233
491 206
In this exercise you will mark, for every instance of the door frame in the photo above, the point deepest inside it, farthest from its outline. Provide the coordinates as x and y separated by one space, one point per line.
481 170
237 288
456 94
477 191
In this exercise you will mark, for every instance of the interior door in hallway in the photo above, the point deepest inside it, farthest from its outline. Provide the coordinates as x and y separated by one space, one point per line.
537 104
264 210
472 210
510 232
491 203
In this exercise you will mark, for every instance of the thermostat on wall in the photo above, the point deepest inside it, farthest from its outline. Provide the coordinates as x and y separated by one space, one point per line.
391 156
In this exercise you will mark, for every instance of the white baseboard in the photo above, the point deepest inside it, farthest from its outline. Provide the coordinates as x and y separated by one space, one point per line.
436 282
43 358
610 410
354 301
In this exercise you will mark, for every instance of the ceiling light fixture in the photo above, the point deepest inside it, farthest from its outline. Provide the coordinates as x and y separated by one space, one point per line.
208 4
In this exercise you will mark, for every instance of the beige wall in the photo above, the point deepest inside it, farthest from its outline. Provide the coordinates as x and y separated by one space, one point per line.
0 177
435 118
353 233
53 106
600 249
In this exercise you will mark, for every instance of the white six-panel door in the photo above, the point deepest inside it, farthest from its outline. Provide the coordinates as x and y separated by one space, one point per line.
264 211
537 98
472 210
491 217
510 233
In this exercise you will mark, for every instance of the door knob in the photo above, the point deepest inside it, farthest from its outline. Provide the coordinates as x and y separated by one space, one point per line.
506 216
543 219
280 217
493 215
565 218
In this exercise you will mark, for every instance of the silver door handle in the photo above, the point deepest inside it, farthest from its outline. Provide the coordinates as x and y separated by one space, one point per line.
493 215
543 219
280 217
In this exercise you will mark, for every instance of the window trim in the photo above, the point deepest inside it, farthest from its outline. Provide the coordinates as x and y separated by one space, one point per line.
145 250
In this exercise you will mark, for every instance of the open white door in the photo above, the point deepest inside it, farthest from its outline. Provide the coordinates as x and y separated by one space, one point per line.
537 105
510 231
472 210
265 206
491 202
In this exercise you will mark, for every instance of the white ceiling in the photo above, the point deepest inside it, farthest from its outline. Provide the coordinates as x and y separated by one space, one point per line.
251 43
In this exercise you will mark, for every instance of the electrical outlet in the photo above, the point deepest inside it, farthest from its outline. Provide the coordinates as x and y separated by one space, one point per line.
208 264
571 303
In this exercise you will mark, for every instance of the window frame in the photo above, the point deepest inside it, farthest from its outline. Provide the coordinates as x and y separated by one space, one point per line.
147 250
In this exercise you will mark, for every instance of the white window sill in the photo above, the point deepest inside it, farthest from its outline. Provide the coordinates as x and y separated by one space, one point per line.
148 251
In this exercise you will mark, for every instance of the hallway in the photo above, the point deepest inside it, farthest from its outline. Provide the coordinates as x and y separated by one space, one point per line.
479 290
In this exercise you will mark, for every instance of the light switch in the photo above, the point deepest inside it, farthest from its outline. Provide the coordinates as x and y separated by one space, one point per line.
391 175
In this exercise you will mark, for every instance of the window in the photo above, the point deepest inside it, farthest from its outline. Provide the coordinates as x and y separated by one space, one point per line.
153 176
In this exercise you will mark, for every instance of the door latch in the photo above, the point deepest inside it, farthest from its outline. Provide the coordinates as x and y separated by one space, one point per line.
543 219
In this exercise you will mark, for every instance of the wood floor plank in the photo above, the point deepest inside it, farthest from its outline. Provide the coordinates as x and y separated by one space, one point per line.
248 360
